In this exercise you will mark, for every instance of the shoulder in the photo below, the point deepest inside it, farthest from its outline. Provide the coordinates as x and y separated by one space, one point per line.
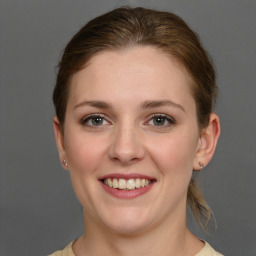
208 251
67 251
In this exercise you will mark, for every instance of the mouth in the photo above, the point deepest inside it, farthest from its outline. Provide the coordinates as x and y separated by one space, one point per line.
127 186
123 184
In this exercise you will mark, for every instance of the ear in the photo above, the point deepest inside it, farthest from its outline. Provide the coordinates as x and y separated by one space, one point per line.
60 142
207 142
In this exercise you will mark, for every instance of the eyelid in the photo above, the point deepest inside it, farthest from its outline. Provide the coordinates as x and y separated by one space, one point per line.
88 117
170 119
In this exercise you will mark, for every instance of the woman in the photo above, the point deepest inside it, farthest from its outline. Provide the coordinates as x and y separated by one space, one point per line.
134 119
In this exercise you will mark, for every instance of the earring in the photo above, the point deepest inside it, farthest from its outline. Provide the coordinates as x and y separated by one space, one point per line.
201 166
64 163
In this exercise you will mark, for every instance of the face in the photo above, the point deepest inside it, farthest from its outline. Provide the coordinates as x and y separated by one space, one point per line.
131 139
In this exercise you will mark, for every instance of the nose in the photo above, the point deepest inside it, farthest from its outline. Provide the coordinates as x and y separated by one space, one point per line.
126 145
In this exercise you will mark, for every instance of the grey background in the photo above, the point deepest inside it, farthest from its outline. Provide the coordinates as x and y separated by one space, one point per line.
39 212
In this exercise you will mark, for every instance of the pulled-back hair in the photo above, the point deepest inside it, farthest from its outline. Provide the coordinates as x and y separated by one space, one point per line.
127 27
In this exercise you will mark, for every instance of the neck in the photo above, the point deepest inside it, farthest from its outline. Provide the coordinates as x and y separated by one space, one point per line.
174 239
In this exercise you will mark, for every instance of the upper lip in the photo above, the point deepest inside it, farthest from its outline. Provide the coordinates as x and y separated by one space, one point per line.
126 176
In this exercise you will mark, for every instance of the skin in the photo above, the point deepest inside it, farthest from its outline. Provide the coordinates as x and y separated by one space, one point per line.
129 141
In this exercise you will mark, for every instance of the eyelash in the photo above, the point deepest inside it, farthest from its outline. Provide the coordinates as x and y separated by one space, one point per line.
170 120
85 121
88 118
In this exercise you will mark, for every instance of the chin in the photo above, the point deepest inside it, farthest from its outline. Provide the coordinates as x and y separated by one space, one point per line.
127 222
128 228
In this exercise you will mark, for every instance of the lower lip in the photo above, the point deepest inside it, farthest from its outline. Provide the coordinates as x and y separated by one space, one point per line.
127 194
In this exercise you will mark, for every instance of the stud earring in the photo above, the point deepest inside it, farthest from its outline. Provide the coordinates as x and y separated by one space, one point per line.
201 166
64 163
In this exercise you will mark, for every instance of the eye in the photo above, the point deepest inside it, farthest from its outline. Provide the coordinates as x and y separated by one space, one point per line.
161 120
94 120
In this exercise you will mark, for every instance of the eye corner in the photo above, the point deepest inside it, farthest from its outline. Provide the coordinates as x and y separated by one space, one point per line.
95 120
160 120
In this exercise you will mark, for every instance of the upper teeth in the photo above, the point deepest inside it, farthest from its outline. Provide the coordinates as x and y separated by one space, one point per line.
126 184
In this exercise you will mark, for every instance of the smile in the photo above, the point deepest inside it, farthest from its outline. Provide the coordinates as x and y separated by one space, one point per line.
130 184
127 186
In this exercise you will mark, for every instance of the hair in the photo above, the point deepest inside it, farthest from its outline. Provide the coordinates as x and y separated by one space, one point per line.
128 27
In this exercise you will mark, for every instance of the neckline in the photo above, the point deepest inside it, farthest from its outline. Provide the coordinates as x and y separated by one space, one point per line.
205 249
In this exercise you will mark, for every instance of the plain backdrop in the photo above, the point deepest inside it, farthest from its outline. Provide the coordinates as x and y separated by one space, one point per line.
39 212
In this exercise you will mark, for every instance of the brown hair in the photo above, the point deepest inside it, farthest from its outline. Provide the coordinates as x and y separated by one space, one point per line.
128 27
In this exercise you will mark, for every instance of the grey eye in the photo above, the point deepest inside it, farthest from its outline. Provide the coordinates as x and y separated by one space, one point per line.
159 120
94 120
97 120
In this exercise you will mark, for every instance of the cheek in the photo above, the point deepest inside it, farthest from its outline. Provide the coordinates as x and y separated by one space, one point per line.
174 154
84 153
173 157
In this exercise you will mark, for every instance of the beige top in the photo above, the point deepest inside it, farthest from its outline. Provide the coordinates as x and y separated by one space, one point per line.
206 251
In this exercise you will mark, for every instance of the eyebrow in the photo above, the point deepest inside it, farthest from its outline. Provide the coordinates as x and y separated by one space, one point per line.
160 103
145 105
95 104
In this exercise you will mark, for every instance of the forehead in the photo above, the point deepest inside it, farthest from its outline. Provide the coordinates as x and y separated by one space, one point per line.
140 70
137 56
